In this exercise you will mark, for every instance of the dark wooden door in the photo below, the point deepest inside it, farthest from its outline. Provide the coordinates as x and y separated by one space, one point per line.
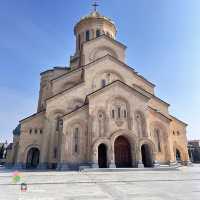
122 153
146 156
33 158
102 156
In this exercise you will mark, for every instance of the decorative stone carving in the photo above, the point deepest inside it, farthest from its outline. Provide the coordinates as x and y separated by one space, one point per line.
141 124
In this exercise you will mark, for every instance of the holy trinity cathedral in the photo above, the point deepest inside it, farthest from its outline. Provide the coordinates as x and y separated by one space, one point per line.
98 112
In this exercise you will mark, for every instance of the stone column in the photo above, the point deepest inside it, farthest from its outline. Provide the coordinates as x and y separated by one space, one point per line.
63 165
45 143
95 160
89 139
60 144
112 158
17 163
155 162
139 155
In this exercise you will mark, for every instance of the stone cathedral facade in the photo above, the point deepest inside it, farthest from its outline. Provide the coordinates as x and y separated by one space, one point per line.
98 112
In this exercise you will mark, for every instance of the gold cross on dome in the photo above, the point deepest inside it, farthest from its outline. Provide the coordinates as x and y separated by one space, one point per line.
95 5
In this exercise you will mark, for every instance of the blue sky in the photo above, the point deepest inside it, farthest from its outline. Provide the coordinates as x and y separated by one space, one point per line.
162 36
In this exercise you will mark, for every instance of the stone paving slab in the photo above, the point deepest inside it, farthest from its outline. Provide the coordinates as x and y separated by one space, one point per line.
177 185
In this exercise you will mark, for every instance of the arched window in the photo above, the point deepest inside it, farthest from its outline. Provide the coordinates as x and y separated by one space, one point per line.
87 36
119 110
98 33
57 123
76 140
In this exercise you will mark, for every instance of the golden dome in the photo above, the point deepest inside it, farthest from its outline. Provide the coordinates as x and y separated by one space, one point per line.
92 16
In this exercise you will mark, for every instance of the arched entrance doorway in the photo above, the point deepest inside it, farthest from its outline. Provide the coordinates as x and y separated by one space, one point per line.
178 156
146 155
102 156
33 157
122 152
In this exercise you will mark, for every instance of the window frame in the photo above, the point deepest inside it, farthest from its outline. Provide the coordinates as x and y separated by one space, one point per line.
98 33
103 83
87 36
76 140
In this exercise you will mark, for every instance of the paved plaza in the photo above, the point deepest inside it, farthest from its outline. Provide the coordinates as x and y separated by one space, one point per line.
182 184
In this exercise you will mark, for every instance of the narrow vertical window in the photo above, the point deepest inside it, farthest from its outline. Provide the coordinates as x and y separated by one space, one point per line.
76 139
55 153
125 114
119 112
98 33
103 83
87 37
57 123
113 114
79 42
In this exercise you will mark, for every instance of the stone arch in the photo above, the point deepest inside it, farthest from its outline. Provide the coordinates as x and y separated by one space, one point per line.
74 103
95 149
127 133
102 51
122 152
108 75
131 137
149 142
69 134
55 112
80 122
181 150
67 85
163 137
55 117
33 158
120 98
28 148
147 149
141 123
102 156
24 154
55 124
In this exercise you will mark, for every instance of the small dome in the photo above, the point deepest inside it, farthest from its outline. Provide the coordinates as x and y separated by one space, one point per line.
93 26
17 130
92 16
96 14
